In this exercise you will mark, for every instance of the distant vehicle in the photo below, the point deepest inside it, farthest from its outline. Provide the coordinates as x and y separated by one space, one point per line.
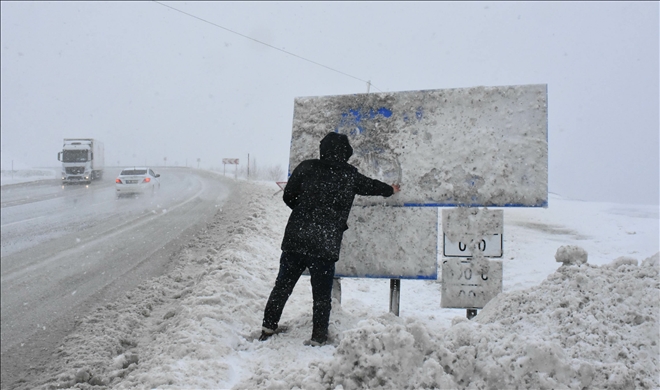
82 160
137 180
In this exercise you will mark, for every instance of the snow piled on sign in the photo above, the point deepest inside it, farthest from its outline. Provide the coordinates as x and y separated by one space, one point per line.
557 325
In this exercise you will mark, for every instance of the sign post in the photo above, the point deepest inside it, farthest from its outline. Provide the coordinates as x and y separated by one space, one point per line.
395 296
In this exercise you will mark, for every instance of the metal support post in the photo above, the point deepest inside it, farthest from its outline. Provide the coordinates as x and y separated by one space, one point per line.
336 290
395 292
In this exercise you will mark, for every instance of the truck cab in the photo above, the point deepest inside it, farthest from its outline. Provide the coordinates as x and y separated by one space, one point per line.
81 160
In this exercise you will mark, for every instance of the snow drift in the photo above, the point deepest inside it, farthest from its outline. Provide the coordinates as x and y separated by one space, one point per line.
583 327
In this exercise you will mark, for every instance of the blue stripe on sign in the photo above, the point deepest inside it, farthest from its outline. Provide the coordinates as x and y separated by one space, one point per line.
419 277
542 204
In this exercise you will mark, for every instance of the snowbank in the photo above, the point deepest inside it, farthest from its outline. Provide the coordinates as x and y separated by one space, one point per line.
583 327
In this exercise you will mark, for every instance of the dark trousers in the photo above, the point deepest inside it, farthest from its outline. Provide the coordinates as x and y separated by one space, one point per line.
322 273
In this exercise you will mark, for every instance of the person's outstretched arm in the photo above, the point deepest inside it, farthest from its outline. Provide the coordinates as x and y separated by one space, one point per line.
372 187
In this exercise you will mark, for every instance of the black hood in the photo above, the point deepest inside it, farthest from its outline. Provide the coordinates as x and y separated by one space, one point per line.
335 147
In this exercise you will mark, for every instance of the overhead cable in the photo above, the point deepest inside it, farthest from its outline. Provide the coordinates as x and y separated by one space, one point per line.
265 44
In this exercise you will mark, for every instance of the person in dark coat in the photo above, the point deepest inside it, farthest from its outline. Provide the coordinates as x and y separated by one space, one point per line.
320 193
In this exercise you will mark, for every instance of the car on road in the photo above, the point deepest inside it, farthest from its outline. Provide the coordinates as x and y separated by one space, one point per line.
137 180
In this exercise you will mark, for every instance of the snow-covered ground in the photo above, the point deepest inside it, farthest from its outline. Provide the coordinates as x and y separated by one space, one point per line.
15 171
27 175
556 325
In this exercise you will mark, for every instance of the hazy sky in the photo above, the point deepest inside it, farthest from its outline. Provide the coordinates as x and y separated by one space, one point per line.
152 82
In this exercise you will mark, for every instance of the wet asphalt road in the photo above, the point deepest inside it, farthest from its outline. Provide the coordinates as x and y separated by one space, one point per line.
68 249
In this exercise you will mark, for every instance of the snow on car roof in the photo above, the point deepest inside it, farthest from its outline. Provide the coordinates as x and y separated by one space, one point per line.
134 171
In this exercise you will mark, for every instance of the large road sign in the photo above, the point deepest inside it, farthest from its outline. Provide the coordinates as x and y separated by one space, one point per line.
481 146
476 147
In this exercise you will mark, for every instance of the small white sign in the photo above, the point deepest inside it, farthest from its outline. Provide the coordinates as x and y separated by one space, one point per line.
490 246
468 230
468 284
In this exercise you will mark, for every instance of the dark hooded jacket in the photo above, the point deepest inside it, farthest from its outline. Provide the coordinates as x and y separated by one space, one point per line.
320 194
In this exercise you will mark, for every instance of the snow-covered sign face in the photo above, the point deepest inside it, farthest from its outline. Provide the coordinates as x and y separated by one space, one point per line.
482 146
390 242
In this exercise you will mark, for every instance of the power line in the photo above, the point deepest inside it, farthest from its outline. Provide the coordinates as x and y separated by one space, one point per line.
265 44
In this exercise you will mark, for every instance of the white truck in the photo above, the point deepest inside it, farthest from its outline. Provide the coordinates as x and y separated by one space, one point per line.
82 160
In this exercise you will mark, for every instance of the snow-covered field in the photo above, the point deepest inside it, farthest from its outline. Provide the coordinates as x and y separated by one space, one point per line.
27 175
556 325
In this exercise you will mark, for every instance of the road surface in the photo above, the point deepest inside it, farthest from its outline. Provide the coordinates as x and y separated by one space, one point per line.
68 249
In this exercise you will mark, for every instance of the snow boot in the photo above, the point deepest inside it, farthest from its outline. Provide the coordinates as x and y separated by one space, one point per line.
313 343
266 333
319 338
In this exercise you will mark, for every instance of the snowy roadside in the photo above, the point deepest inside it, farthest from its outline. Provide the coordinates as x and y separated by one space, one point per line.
149 326
593 325
7 177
